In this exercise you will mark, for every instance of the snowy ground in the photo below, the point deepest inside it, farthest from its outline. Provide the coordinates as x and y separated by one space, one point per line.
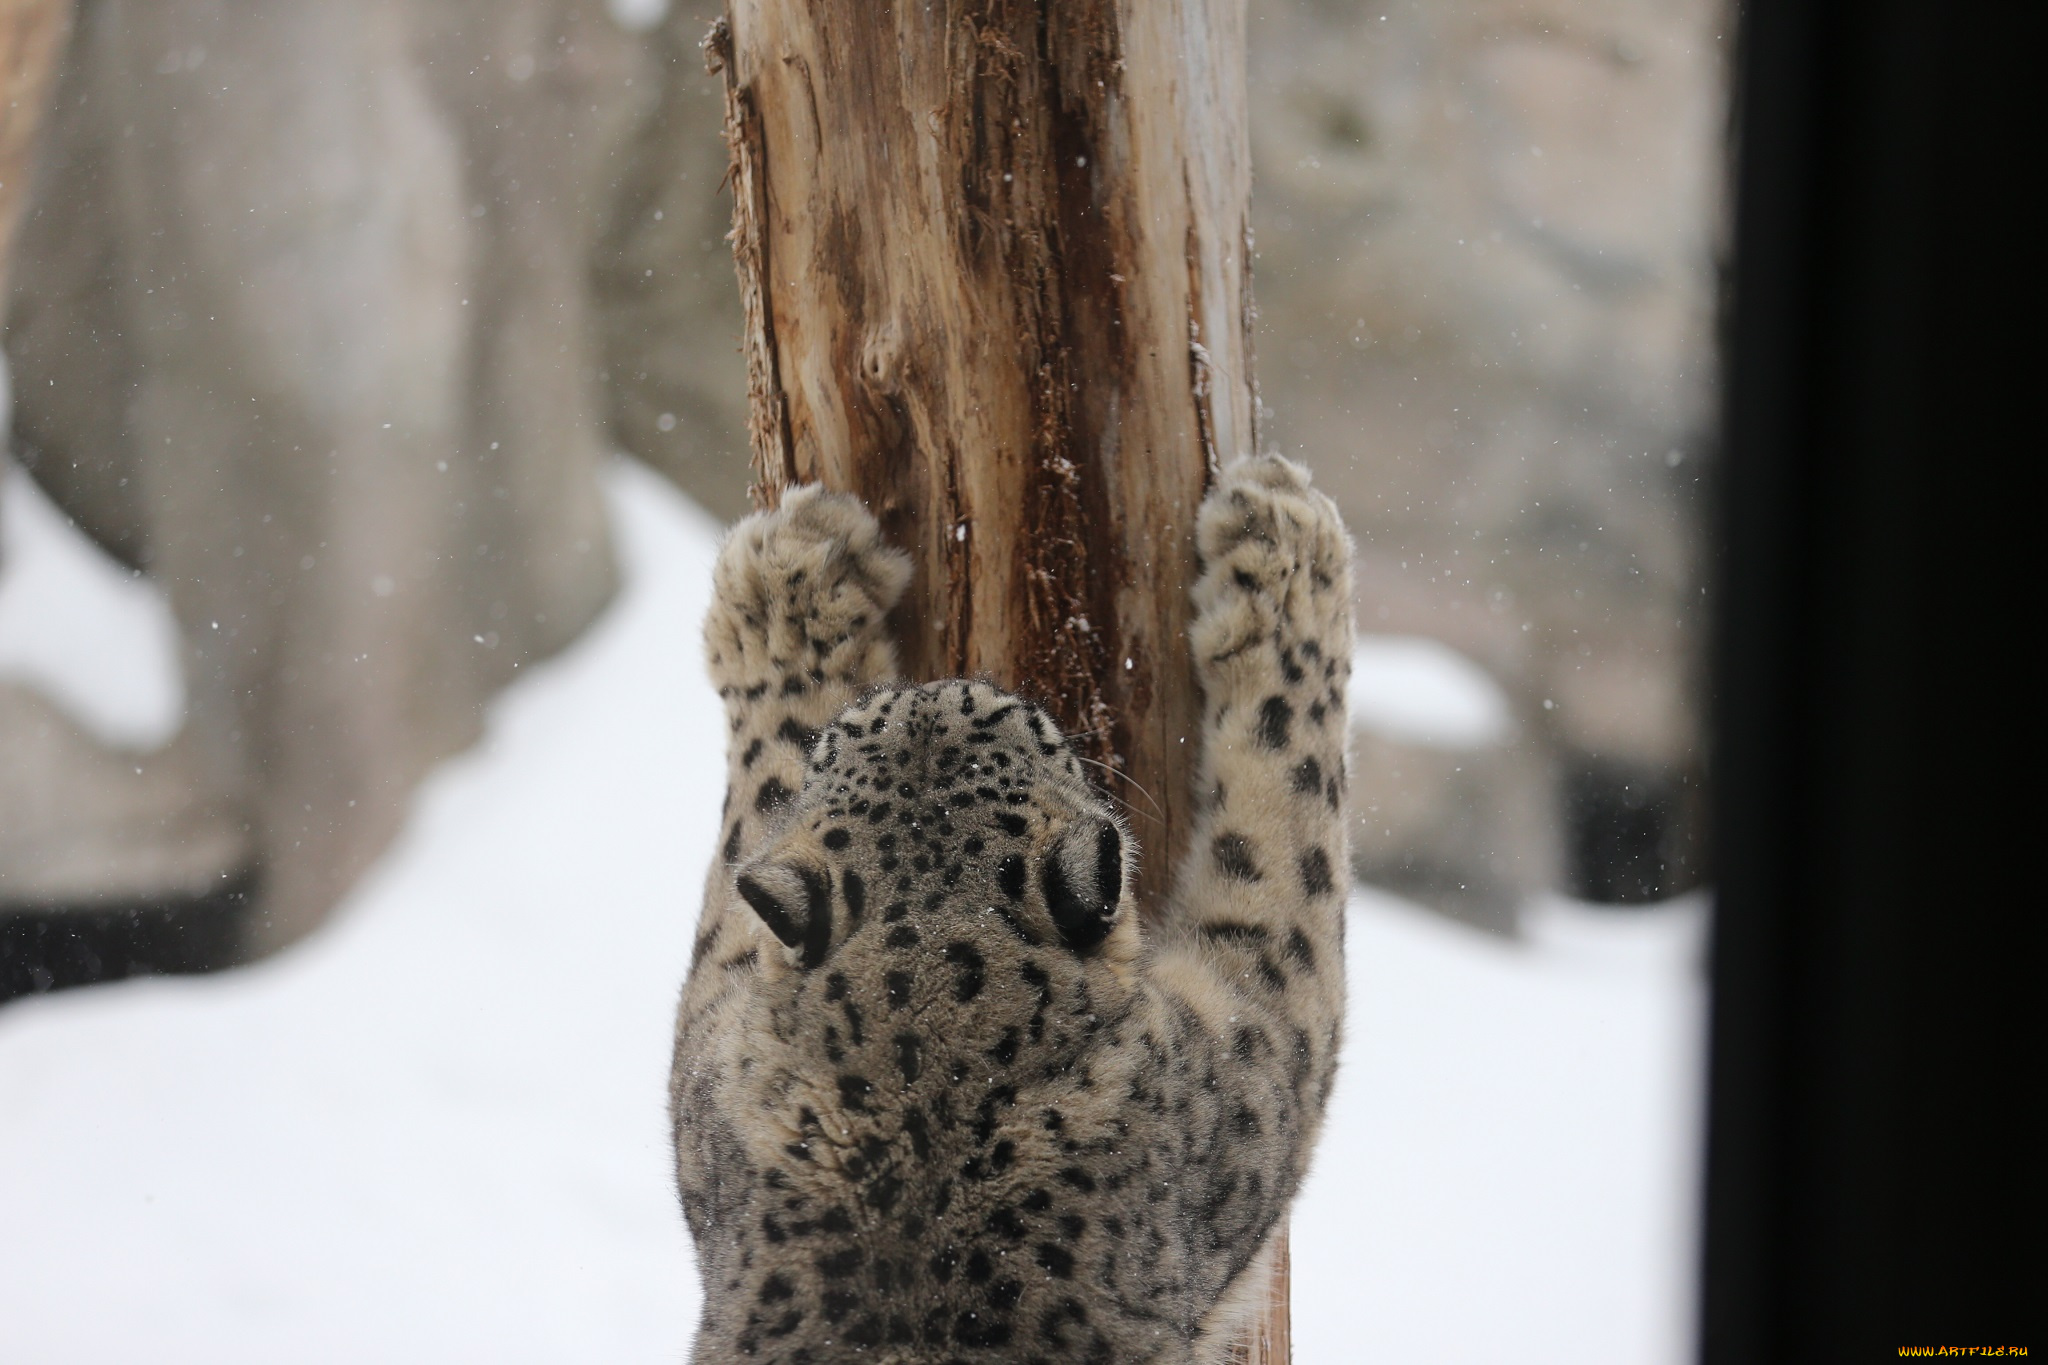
435 1132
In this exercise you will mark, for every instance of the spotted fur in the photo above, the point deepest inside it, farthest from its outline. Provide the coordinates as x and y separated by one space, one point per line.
937 1097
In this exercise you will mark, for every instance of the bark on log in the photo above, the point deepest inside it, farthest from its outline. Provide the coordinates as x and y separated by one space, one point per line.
32 34
994 259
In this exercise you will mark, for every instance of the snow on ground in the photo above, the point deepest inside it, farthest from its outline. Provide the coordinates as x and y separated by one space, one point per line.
1508 1170
435 1132
82 628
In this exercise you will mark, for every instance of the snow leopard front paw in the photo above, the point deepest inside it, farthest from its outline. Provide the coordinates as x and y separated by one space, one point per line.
1273 602
800 597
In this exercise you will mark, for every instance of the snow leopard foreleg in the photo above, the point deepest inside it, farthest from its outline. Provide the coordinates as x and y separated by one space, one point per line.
1255 944
796 631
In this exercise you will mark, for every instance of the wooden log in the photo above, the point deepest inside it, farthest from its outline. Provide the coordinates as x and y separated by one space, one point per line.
994 259
32 34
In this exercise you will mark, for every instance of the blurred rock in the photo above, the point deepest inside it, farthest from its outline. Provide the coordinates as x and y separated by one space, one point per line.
82 825
1450 802
668 306
1466 831
306 324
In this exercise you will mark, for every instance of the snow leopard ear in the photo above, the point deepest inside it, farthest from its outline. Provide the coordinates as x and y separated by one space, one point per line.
1083 882
795 902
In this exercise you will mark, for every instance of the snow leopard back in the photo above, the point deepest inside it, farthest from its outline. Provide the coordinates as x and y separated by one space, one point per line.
937 1094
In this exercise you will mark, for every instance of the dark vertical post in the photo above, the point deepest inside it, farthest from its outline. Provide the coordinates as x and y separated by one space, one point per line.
1874 1149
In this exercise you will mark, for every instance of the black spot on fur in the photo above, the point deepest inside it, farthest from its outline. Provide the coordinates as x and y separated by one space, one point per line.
1308 777
772 796
972 1329
1233 855
1315 872
856 893
1010 877
920 1133
1013 824
732 843
836 839
1005 1223
972 971
840 1264
898 986
909 1056
802 736
1276 722
1299 950
1056 1261
1039 981
883 1192
1249 1042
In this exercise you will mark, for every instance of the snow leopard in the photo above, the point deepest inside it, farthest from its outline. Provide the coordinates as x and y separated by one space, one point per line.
937 1094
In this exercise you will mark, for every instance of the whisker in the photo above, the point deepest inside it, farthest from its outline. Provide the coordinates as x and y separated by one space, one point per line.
1130 809
1134 812
1157 814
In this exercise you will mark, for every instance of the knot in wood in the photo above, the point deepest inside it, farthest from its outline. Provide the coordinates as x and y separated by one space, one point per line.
881 358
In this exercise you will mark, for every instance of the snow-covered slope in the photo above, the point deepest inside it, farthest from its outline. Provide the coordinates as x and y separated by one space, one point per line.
435 1131
1509 1165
